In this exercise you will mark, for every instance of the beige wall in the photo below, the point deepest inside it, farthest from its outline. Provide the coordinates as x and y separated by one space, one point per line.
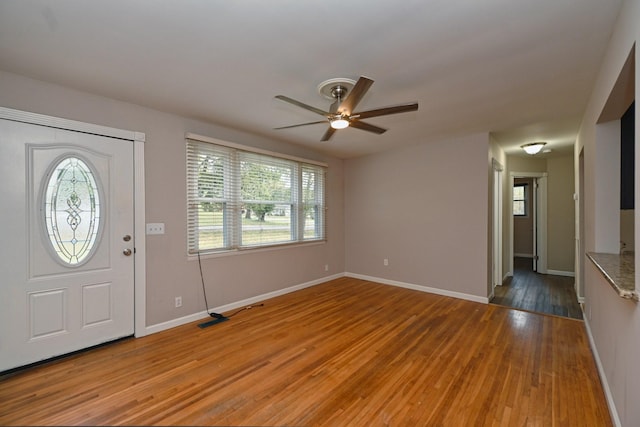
613 322
425 209
433 235
560 214
229 278
530 164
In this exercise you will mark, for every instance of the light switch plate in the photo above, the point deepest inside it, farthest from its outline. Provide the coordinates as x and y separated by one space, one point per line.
155 228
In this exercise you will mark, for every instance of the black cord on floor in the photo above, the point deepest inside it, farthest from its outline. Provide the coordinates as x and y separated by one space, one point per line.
245 308
206 303
204 291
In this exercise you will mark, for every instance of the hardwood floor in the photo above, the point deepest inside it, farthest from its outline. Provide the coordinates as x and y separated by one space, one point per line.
346 352
541 293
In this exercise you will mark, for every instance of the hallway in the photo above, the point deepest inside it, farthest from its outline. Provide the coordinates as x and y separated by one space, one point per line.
541 293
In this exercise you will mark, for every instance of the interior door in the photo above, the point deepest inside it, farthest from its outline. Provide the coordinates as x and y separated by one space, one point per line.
66 255
541 225
535 215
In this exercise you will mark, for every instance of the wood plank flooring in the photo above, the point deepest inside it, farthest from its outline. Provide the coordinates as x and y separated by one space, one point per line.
541 293
344 353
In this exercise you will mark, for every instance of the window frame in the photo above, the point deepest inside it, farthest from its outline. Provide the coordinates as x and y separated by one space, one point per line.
524 199
233 202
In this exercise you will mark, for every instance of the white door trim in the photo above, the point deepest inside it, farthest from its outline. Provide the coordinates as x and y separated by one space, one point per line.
540 237
496 241
138 139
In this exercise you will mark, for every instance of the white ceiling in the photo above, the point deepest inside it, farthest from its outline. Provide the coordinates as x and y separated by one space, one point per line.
521 69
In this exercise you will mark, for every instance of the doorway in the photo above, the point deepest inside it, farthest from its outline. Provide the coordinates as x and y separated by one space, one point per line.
530 285
70 246
533 212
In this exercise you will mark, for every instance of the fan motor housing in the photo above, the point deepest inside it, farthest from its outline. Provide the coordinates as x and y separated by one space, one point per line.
334 88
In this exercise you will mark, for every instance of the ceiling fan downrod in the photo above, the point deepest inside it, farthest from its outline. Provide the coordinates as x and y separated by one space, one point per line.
338 92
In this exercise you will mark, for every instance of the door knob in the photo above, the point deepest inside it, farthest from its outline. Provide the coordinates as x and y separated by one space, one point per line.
127 252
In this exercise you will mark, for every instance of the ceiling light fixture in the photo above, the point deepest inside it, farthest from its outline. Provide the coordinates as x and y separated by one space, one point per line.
533 147
339 122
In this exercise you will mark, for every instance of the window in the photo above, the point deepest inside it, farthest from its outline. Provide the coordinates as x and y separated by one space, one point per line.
240 199
520 200
72 211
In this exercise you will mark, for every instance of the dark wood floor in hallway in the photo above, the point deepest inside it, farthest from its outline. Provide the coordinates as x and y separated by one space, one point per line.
541 293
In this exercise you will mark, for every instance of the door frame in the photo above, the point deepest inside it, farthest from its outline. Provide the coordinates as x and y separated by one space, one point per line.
496 220
580 230
540 219
138 140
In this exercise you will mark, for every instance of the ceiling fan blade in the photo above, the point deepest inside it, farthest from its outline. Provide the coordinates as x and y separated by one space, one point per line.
395 109
328 134
366 126
355 95
302 105
301 124
334 107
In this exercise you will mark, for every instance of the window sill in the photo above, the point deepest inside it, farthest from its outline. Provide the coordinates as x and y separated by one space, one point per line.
233 252
619 270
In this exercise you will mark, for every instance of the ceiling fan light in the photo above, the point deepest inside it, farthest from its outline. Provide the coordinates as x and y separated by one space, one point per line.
533 148
339 123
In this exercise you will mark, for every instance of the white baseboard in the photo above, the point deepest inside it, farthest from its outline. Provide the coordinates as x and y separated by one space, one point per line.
159 327
238 304
603 378
562 273
436 291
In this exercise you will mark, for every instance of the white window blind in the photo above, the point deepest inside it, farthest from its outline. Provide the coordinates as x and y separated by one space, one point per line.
238 199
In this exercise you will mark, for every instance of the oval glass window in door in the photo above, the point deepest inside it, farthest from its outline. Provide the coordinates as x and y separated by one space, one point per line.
72 210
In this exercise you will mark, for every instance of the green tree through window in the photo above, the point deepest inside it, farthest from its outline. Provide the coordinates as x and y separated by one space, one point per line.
261 185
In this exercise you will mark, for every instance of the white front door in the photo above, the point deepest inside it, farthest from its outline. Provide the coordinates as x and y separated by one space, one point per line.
67 241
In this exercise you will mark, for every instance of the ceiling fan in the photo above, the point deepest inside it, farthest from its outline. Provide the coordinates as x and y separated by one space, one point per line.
346 94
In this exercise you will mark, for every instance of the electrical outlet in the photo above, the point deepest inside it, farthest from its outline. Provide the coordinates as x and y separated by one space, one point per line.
178 302
326 267
385 262
155 228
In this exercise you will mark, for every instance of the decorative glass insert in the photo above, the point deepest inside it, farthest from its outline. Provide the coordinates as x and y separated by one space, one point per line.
72 210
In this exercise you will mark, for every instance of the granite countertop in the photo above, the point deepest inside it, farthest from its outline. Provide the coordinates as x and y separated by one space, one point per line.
619 270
